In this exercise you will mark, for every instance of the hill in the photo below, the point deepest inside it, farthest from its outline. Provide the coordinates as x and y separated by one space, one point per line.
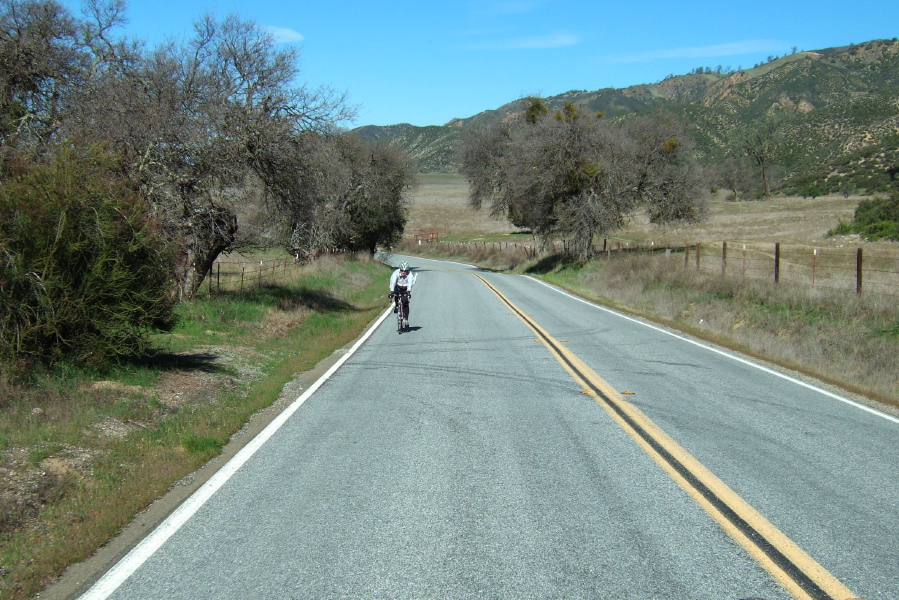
841 131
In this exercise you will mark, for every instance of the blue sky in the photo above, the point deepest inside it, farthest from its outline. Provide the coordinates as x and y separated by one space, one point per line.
426 62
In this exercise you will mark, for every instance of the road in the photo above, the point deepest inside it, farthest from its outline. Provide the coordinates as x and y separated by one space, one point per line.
518 442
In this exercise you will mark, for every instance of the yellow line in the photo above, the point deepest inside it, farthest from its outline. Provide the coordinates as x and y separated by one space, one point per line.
792 567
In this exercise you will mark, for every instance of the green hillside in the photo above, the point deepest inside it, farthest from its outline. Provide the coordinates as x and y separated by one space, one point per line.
840 111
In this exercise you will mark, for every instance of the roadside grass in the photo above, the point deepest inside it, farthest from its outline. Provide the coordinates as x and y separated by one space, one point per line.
83 454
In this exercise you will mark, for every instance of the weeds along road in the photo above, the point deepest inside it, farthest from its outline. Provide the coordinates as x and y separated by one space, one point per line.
521 443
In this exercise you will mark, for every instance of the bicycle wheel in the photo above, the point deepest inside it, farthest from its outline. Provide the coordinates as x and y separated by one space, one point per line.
400 316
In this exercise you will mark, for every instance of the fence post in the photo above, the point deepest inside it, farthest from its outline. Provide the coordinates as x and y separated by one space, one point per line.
744 261
686 255
814 267
698 256
724 258
242 269
777 262
858 271
209 277
218 276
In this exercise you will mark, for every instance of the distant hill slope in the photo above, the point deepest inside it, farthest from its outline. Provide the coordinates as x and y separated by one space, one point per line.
433 147
843 130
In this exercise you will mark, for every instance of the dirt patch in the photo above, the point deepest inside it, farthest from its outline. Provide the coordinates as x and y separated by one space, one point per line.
27 487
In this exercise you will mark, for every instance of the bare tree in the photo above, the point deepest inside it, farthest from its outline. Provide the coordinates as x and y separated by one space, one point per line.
373 211
578 176
41 57
733 175
668 180
760 141
199 122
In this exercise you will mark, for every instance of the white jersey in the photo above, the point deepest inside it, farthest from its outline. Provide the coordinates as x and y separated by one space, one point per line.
398 280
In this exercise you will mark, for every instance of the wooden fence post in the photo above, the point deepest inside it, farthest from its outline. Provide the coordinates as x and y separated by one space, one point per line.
777 262
814 267
724 258
698 256
686 255
858 271
242 269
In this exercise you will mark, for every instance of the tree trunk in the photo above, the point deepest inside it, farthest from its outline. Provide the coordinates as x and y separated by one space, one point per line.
206 232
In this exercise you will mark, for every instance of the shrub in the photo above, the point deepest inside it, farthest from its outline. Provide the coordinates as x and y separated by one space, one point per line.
877 218
83 274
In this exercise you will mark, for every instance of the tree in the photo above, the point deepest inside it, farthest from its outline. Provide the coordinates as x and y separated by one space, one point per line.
348 195
40 57
669 182
197 123
760 141
374 209
578 176
734 175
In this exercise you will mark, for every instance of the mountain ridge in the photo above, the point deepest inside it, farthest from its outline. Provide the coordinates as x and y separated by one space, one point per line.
841 130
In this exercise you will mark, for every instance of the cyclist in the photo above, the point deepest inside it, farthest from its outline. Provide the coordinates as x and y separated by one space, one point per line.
401 282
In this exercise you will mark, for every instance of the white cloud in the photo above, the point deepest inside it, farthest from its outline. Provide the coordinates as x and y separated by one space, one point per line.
557 39
732 49
284 35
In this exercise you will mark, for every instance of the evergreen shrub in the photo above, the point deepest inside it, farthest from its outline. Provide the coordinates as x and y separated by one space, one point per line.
84 273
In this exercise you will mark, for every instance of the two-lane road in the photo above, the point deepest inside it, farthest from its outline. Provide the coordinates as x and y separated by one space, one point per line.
463 459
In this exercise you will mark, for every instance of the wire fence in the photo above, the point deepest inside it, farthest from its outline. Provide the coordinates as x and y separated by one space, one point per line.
865 271
245 276
868 270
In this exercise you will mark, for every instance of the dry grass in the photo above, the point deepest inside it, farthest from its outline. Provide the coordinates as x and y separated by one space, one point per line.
441 202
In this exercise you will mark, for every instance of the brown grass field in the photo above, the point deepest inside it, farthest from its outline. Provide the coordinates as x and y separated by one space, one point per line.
441 202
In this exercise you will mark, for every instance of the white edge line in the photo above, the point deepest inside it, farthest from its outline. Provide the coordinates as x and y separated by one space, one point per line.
117 575
723 353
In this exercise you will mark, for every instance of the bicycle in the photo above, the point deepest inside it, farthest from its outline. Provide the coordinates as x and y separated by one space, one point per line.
401 300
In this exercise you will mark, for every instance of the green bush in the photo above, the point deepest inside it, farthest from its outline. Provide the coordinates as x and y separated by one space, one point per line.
84 277
874 219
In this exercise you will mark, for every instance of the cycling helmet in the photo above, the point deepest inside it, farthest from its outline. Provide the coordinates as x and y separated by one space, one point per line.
404 266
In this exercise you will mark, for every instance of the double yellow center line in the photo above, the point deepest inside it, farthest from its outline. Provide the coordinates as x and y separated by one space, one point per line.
795 570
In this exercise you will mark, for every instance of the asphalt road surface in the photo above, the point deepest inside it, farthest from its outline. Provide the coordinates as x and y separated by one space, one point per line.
518 442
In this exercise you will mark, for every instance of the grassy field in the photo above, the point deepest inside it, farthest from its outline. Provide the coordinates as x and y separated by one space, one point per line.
441 202
834 336
82 453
